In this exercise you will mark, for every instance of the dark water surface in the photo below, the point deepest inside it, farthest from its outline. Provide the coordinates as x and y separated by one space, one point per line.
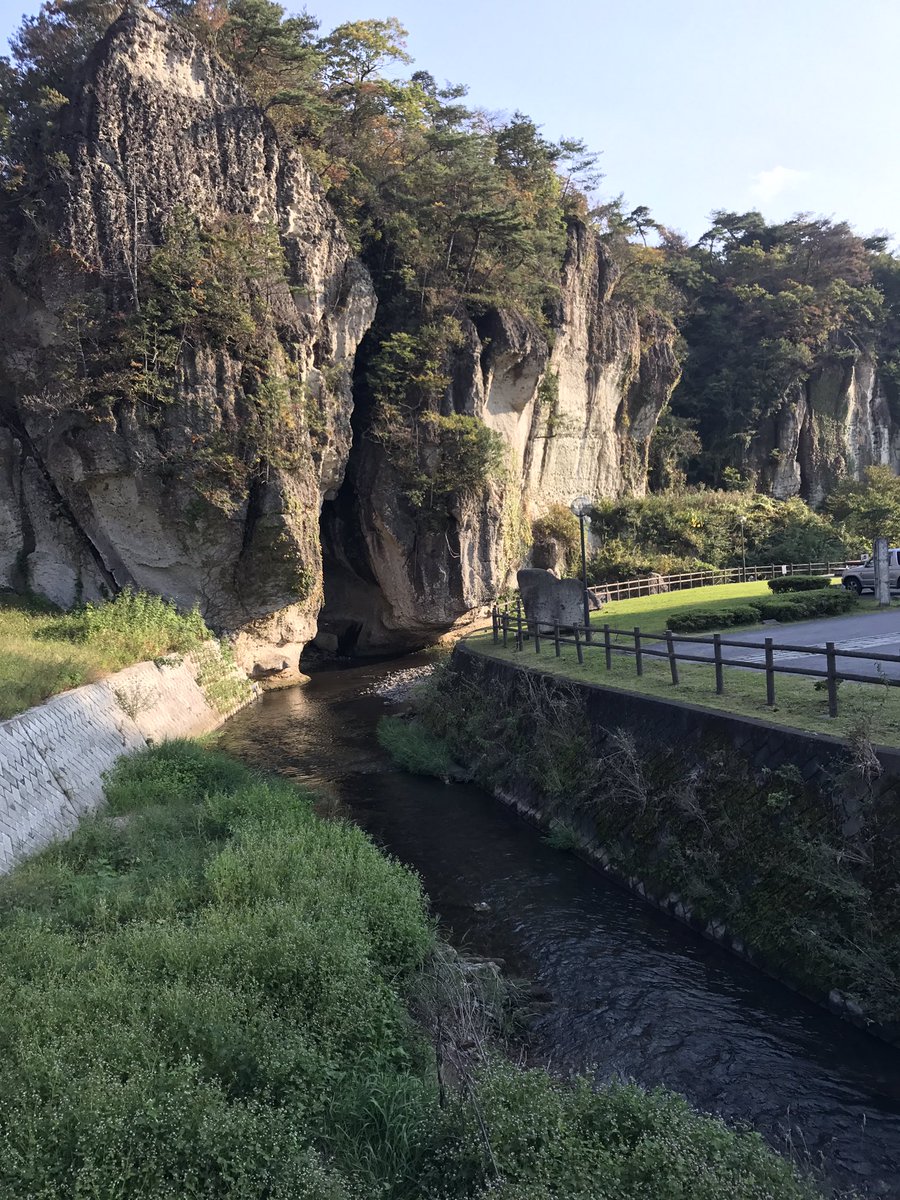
633 993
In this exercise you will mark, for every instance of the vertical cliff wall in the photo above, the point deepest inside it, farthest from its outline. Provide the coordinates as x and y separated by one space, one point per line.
208 489
830 427
576 418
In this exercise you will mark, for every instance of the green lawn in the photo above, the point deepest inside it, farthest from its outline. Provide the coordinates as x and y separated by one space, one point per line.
870 708
44 651
652 612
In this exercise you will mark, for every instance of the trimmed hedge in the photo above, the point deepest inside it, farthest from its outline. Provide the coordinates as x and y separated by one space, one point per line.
823 602
799 583
695 620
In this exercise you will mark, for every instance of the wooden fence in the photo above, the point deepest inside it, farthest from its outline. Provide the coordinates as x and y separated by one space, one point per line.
515 628
650 585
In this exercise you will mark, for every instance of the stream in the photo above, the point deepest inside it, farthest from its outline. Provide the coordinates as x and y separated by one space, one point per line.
633 994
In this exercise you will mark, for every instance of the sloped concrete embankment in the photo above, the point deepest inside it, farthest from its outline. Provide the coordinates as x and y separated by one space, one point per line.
53 757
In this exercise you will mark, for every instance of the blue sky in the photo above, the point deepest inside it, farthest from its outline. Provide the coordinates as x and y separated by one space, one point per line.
782 105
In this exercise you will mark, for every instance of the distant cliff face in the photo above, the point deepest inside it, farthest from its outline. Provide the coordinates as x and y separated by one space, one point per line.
829 427
211 493
576 420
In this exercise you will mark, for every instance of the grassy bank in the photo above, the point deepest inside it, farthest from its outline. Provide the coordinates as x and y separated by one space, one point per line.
44 651
205 994
869 709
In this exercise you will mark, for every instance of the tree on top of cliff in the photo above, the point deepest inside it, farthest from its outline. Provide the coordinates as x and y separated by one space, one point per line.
767 305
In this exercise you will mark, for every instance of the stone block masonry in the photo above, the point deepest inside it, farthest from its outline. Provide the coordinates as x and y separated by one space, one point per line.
54 756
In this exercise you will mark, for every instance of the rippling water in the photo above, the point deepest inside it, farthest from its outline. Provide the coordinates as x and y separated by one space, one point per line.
633 994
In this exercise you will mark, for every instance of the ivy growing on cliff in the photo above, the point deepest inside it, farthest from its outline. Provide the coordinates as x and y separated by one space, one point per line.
438 457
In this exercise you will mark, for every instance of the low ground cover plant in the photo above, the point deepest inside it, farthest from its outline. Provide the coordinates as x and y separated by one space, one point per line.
205 995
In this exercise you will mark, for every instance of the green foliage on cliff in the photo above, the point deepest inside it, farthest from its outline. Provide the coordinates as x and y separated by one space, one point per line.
202 287
767 305
559 524
204 995
437 457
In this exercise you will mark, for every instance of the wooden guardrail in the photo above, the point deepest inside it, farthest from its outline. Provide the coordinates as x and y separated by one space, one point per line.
650 585
517 629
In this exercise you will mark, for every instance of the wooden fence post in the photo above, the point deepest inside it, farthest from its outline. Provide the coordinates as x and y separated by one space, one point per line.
770 674
578 649
673 661
520 644
832 679
505 629
717 652
638 660
608 647
495 621
556 639
537 637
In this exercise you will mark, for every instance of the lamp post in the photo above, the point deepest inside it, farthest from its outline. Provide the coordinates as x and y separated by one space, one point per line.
581 506
743 554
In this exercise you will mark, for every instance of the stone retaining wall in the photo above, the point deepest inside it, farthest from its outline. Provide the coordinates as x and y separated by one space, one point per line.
676 739
53 757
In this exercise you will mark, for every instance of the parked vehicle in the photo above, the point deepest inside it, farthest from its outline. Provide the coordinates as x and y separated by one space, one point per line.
860 577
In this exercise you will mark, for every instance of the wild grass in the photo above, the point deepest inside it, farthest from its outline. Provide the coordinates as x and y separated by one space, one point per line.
44 650
413 748
204 996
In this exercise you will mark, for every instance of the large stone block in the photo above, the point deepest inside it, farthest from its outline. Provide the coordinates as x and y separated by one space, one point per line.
550 600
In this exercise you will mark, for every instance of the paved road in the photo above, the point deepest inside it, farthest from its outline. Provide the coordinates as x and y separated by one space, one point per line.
876 631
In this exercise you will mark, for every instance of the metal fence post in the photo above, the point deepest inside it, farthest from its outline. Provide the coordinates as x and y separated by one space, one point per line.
717 652
770 674
832 679
673 661
608 647
638 659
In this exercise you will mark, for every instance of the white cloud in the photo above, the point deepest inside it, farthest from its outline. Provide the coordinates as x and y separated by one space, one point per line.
769 184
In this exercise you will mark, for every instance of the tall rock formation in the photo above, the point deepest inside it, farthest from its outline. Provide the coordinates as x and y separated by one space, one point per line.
829 427
576 419
208 488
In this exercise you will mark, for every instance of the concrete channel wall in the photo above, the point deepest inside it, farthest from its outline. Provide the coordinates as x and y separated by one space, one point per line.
677 739
53 757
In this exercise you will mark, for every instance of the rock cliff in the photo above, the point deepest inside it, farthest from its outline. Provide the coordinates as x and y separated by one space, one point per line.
204 481
576 419
829 427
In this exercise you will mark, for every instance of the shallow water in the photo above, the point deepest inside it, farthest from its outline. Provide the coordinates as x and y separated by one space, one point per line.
633 993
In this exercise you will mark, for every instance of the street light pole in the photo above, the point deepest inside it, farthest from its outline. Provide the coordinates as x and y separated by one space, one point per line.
581 507
587 605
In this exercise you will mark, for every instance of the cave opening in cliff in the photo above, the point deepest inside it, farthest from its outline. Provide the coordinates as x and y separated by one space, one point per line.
352 597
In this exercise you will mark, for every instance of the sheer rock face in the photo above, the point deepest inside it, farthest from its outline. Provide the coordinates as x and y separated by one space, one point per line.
830 427
576 420
96 499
